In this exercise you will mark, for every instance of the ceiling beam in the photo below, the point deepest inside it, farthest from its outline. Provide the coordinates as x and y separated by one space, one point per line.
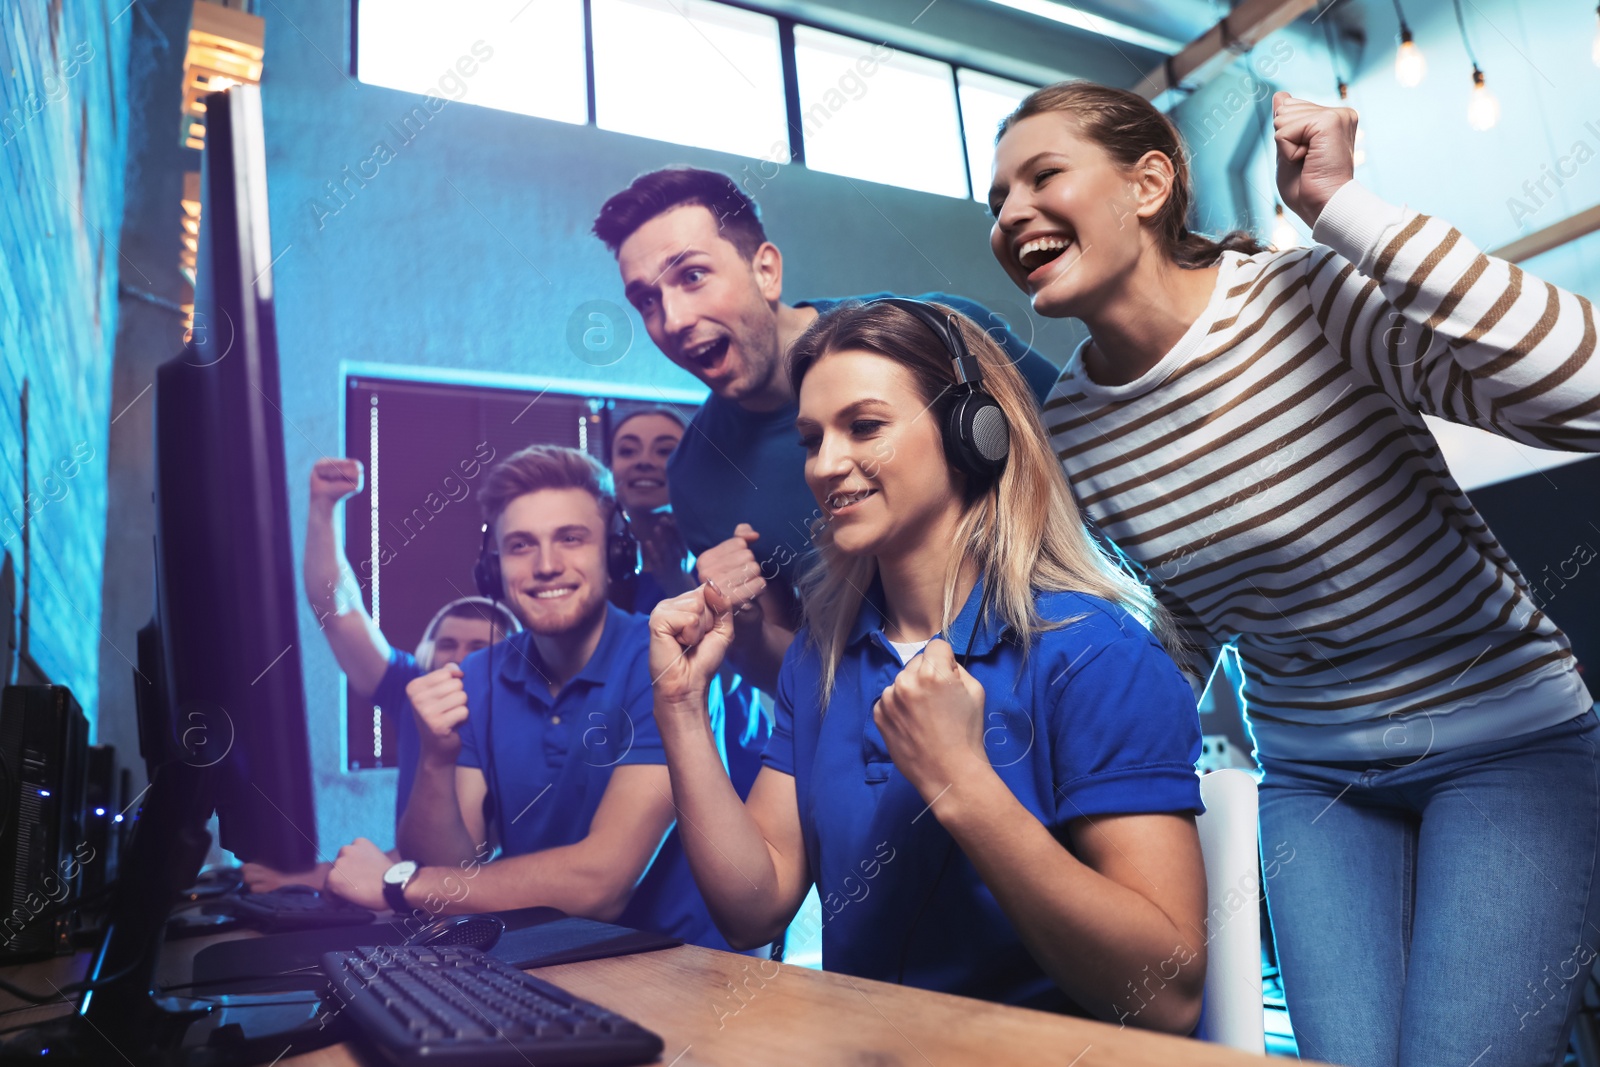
1210 53
1552 236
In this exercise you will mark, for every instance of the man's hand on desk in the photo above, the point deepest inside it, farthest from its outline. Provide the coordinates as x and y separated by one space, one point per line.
357 874
259 878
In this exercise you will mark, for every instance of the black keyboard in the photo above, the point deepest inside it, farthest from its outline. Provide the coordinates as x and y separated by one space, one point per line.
293 907
421 1004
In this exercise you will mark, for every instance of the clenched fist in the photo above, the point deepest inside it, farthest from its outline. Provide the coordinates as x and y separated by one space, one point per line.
733 567
334 479
931 717
440 700
1316 153
689 636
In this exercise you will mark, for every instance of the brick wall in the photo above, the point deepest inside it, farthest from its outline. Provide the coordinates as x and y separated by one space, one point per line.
63 137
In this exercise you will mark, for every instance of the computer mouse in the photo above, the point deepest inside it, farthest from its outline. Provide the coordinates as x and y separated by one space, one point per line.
474 931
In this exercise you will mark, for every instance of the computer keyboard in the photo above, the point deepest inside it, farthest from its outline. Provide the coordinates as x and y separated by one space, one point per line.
420 1005
293 907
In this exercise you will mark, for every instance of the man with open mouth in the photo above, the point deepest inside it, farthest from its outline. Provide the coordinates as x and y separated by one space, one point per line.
698 267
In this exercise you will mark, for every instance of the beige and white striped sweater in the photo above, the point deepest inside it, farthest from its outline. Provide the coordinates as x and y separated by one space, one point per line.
1275 481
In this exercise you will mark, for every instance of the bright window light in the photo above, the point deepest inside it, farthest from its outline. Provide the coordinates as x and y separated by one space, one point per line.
871 112
525 56
690 72
985 101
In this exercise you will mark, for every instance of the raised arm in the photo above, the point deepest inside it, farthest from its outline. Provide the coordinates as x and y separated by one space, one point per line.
331 585
443 821
1440 326
748 859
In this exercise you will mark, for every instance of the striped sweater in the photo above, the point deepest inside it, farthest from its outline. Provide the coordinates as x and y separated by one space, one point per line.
1275 482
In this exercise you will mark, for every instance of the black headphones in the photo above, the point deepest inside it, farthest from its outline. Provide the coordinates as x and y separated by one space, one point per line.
622 556
977 438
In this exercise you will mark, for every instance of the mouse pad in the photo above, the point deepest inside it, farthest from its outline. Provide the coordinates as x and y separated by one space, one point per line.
534 937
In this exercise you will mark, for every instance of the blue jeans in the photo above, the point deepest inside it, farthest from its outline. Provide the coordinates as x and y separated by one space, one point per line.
1443 912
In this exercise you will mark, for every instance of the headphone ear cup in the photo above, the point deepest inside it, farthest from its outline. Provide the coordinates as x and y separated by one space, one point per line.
486 572
977 436
622 550
486 576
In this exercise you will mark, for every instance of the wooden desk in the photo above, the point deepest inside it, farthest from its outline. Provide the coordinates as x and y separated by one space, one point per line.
793 1015
720 1008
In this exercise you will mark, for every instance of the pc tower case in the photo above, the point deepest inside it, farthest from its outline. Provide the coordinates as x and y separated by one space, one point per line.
43 751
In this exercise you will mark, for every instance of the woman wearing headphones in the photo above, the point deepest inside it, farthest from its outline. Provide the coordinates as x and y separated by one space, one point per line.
982 759
1247 426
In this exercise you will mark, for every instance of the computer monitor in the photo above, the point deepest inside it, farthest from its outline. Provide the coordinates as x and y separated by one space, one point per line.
226 595
220 697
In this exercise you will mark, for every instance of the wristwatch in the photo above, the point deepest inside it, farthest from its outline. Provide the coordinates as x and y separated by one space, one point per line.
395 880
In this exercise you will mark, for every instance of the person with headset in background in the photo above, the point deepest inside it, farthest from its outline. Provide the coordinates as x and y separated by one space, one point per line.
697 266
968 655
373 666
641 444
563 710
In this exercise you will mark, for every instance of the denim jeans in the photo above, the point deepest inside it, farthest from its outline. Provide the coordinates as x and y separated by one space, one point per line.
1442 912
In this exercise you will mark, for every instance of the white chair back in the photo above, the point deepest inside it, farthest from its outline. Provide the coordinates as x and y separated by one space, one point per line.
1230 842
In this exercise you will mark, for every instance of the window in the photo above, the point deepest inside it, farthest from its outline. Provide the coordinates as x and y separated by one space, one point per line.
699 73
985 101
690 72
525 56
870 112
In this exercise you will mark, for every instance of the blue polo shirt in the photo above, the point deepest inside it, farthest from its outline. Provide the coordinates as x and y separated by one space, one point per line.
1095 720
390 697
553 758
738 466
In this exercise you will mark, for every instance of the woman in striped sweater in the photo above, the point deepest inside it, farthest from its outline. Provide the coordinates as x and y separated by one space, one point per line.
1246 426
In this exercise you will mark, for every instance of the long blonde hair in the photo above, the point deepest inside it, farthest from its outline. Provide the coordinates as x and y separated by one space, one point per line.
1025 534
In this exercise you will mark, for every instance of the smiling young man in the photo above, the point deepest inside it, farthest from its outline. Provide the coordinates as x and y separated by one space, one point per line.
697 266
554 730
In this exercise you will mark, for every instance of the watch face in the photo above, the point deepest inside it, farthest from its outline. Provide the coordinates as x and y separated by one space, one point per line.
401 871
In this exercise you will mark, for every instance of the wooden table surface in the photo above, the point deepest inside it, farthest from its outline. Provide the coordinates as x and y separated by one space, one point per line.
719 1008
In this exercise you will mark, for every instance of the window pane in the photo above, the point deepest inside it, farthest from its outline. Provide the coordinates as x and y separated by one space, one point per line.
692 73
985 101
869 112
522 55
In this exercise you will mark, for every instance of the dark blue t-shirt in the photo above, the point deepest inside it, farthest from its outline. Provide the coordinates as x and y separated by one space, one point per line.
738 466
553 758
1096 720
390 697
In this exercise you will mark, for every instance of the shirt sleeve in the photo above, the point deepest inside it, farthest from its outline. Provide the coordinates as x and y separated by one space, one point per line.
475 678
1453 332
390 692
779 753
1124 730
635 725
1038 372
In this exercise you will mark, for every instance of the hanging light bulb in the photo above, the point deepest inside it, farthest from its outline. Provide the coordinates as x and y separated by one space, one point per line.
1484 110
1594 49
1284 236
1409 64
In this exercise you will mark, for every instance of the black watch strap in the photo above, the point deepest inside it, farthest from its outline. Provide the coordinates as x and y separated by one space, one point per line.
394 894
